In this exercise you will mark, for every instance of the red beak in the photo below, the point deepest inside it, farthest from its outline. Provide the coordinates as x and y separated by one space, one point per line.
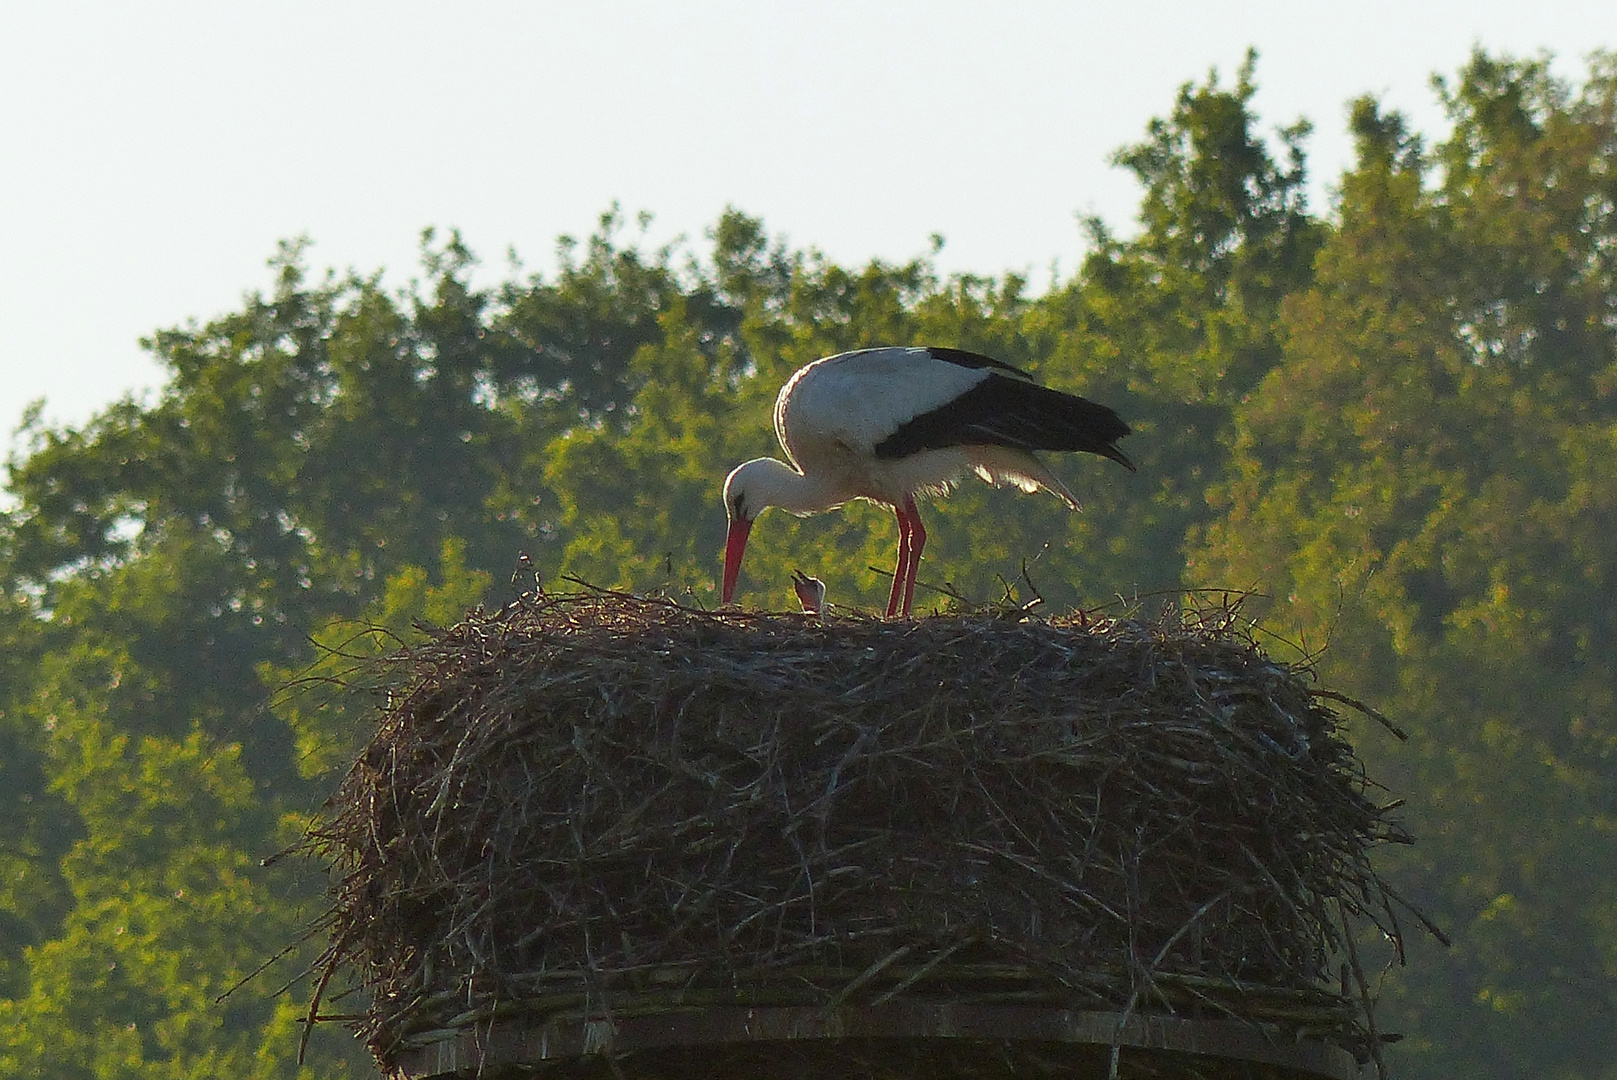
733 548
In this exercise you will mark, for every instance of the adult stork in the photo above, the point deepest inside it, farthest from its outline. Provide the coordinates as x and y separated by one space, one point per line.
890 424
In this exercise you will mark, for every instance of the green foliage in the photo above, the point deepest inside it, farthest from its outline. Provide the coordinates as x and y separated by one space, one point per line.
1175 326
324 703
1397 423
162 906
39 825
1424 483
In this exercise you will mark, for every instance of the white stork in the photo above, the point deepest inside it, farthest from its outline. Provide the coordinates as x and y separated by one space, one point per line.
889 424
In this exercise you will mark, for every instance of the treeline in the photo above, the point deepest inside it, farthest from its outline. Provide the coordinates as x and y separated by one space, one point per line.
1394 426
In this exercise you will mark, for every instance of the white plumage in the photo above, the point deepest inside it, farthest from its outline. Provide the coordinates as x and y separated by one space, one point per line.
889 424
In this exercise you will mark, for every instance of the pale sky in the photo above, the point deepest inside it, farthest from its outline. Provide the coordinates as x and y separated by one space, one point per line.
152 153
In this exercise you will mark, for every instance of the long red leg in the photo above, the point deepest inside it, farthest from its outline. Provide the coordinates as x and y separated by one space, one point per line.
902 568
917 542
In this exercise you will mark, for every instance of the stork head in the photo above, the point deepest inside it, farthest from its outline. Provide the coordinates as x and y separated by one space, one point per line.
754 486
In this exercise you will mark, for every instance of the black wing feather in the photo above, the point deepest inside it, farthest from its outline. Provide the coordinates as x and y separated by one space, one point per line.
1014 412
974 360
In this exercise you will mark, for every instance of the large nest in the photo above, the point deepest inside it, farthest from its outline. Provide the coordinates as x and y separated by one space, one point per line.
598 802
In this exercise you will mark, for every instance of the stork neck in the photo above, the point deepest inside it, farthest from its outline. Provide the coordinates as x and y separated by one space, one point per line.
775 483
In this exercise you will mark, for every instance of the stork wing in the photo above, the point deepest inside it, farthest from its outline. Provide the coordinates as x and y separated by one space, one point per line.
1011 411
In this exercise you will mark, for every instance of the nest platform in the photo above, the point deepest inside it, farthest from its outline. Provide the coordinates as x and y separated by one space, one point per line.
600 835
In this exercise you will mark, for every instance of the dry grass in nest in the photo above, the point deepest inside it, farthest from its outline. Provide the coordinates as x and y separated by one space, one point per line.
596 803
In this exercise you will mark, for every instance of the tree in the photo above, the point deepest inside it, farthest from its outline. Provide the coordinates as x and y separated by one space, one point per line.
1176 325
1416 485
306 451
